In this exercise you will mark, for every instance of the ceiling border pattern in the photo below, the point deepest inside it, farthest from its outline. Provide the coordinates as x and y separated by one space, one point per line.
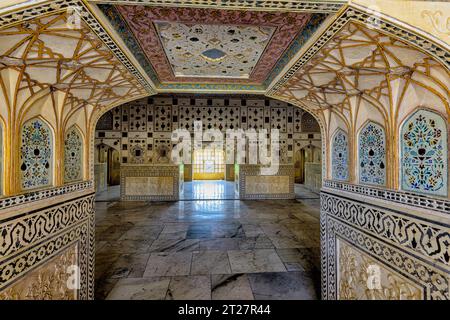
263 5
115 18
295 47
358 16
119 24
39 10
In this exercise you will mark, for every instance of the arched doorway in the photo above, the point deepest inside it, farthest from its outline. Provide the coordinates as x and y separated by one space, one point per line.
107 172
209 238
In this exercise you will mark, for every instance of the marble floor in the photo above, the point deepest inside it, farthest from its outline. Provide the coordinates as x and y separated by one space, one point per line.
212 249
302 192
112 193
208 190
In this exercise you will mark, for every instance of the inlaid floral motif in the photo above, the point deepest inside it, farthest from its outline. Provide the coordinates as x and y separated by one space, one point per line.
372 154
424 153
35 155
73 156
339 156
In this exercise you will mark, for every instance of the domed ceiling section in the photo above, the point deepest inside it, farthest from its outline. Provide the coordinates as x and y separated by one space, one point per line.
188 48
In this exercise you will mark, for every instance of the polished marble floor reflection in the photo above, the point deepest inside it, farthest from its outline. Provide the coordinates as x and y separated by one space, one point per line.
302 192
112 193
208 190
213 249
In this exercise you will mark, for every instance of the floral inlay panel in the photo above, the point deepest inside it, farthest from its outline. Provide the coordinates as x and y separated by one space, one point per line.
424 152
372 154
73 156
35 155
339 156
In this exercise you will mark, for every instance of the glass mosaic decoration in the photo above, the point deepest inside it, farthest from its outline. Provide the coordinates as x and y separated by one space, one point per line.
35 155
339 156
73 155
424 153
372 155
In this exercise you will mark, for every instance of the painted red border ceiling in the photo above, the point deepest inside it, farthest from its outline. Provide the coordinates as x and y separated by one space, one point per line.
140 20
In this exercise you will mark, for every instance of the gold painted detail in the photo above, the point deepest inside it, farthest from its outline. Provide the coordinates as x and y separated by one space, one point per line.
363 278
47 282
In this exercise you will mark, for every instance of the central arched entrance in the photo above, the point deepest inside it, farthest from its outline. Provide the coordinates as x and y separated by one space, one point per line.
208 244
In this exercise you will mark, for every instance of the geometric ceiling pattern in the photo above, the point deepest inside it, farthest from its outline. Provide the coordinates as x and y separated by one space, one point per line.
260 39
363 66
210 50
53 53
89 65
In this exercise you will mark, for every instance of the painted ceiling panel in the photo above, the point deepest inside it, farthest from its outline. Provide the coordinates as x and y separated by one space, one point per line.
182 47
54 54
215 51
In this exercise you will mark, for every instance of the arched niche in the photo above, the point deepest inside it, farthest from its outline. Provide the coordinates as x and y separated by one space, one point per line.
36 154
424 153
339 156
372 154
73 155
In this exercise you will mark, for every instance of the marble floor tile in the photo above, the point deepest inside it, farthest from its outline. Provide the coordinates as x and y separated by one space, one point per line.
99 245
113 232
252 230
142 233
103 287
126 246
168 264
219 244
103 263
210 262
175 227
282 286
129 266
174 245
288 242
302 256
199 231
259 242
230 287
178 235
294 266
258 260
140 289
223 230
189 288
207 249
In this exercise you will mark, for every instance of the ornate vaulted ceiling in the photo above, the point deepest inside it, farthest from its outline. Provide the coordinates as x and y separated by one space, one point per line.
123 51
363 69
54 54
184 47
